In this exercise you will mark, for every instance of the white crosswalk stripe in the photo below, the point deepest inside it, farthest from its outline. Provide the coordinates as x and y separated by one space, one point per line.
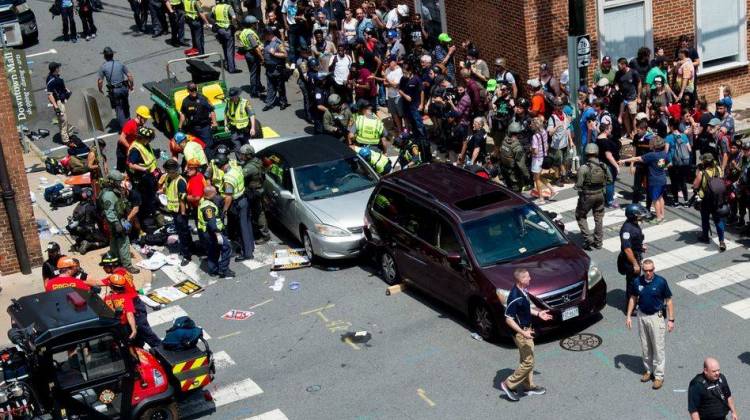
740 308
655 233
271 415
168 314
716 280
687 254
561 206
222 396
610 218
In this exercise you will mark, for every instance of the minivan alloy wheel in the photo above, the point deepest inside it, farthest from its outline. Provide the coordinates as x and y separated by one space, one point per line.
483 321
388 266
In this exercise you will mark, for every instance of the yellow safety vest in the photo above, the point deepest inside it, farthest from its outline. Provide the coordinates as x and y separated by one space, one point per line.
173 194
190 10
217 177
237 114
244 36
202 221
221 13
378 161
369 130
194 151
175 2
149 160
236 179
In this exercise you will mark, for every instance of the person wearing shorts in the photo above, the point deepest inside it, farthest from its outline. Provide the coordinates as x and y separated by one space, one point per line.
656 162
393 75
629 83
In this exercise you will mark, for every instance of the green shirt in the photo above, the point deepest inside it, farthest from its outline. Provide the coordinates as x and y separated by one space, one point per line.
655 71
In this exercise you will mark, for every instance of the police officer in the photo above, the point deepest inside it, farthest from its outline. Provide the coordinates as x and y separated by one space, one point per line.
652 293
337 118
225 18
236 205
191 149
240 118
274 58
174 186
49 267
318 98
709 396
176 15
58 95
143 170
632 247
211 232
119 84
158 18
214 172
114 207
252 48
195 19
367 129
252 169
378 161
592 178
409 152
197 117
513 167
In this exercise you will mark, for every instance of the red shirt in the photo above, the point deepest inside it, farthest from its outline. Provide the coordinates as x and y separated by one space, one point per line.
363 78
129 286
61 282
130 129
195 186
123 301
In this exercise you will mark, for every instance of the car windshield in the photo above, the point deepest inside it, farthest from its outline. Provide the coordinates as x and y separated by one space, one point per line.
330 179
510 234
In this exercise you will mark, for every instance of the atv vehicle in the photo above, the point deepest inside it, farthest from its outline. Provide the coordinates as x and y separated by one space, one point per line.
169 93
72 360
18 23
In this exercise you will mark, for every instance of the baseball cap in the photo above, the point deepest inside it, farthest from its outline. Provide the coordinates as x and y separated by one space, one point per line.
602 82
444 37
607 59
658 142
641 116
533 83
234 92
500 62
491 85
402 9
714 122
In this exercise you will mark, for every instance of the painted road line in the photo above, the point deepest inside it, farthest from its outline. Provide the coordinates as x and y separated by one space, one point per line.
49 51
610 218
165 315
654 233
229 335
716 280
322 308
261 304
740 308
423 396
688 254
223 360
561 206
222 396
270 415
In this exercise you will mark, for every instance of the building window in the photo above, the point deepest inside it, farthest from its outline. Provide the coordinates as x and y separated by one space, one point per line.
433 16
721 34
624 26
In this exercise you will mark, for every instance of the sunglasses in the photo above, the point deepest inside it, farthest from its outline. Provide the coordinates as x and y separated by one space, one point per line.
648 271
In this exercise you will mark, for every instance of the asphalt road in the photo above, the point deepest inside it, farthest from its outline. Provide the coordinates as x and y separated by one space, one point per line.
289 360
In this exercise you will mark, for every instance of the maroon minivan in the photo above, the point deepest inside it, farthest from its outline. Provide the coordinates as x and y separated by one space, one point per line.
458 237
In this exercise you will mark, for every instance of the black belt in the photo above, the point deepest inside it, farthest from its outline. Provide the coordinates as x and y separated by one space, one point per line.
593 191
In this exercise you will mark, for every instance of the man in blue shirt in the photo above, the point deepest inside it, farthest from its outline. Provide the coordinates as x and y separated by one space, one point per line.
587 112
652 294
656 162
518 313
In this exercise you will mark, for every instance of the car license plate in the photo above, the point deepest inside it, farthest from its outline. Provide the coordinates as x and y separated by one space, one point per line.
569 313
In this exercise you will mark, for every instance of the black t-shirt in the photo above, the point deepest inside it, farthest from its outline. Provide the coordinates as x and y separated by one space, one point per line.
708 399
477 140
411 86
628 83
641 68
609 145
197 111
49 268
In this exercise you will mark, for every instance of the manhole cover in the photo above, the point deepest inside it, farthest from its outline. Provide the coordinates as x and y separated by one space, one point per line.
581 342
313 388
691 276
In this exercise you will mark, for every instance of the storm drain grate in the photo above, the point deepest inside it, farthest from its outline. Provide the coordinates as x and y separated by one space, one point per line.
581 342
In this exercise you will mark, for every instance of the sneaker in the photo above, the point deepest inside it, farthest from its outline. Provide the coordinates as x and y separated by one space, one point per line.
508 393
540 201
184 262
704 239
722 246
536 390
657 383
88 38
229 274
646 377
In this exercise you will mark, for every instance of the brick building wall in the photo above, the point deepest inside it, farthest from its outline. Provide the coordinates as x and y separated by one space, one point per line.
14 161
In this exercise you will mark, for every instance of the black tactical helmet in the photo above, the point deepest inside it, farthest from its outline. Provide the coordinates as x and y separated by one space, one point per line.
635 212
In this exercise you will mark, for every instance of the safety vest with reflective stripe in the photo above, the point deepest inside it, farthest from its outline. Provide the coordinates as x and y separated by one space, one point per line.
221 13
378 161
194 150
173 194
149 160
202 221
369 130
236 179
237 114
175 2
190 10
244 34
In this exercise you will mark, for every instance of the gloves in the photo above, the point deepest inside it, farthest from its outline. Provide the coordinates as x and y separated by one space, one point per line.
126 225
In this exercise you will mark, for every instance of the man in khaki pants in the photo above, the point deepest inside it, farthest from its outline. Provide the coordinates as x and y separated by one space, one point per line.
518 314
58 95
653 294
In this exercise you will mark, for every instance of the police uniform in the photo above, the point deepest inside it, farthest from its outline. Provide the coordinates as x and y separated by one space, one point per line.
318 97
709 399
197 114
368 130
379 162
631 237
192 9
592 178
337 123
238 115
116 75
250 44
211 232
234 185
223 16
158 18
410 155
177 22
651 296
145 182
56 88
254 178
115 208
275 74
513 167
176 191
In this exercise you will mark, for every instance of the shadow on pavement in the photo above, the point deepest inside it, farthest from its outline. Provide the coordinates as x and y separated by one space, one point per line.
617 299
630 362
745 357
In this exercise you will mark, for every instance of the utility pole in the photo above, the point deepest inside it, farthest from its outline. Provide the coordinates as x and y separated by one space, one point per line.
576 71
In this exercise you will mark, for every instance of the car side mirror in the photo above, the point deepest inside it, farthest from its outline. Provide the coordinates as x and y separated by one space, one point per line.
560 225
454 259
286 195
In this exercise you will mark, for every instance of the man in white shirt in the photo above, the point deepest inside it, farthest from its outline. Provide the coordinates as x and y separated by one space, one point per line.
393 76
392 17
341 66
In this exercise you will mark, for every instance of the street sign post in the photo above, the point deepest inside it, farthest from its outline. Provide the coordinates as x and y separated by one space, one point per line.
583 57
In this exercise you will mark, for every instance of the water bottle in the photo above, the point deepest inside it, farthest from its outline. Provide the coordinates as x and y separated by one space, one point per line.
476 336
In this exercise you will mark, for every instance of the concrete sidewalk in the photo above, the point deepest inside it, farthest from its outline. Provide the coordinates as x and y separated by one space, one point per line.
17 285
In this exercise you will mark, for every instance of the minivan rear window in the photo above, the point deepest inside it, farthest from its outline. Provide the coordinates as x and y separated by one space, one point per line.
480 201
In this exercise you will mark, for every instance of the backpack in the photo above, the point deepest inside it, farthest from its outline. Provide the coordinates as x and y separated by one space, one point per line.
53 166
681 156
597 175
716 192
182 335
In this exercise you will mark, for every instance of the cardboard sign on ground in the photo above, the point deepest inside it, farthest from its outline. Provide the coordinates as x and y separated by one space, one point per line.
290 259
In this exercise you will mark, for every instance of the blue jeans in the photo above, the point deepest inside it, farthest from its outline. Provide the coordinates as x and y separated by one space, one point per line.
719 222
416 119
217 256
609 194
296 41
